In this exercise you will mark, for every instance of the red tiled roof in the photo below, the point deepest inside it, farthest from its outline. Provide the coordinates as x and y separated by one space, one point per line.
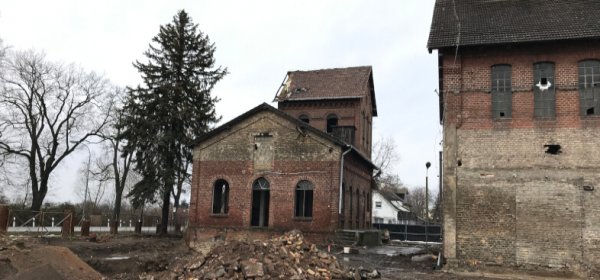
337 83
350 82
481 22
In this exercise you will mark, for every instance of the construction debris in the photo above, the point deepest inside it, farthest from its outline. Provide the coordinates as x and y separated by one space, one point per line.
288 256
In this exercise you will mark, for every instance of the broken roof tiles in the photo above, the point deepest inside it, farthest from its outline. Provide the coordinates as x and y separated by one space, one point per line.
486 22
352 82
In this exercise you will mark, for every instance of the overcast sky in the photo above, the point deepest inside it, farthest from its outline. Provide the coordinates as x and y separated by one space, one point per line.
258 41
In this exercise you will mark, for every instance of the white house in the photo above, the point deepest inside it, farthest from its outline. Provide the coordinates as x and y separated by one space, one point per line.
388 207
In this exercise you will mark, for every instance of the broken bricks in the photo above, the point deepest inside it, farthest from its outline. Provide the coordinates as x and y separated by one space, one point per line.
288 256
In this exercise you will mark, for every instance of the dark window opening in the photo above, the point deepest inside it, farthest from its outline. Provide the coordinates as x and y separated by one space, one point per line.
304 200
304 118
259 216
501 91
553 149
220 197
544 97
332 121
589 93
589 111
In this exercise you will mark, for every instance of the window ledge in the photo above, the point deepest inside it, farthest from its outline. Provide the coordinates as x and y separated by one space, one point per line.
505 119
214 215
590 117
545 119
303 219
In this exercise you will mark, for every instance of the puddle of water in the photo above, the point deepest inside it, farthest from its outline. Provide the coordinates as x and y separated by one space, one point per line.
117 258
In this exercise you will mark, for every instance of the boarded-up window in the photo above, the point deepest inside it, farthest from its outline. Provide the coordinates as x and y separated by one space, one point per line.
263 151
220 197
589 87
304 199
544 97
501 91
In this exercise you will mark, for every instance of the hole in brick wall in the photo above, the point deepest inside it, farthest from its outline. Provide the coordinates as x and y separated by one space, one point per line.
459 162
501 114
553 149
589 111
588 188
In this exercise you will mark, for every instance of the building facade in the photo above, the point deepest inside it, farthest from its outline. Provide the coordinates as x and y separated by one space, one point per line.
519 104
269 169
389 208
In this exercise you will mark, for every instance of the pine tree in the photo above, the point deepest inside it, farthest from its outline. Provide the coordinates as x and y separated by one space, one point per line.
172 107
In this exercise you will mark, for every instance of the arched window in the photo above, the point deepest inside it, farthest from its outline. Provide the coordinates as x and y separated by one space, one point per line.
304 199
332 121
589 87
261 184
501 91
220 197
304 118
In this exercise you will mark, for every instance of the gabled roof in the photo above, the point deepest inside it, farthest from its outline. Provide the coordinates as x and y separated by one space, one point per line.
485 22
266 107
392 199
389 195
337 83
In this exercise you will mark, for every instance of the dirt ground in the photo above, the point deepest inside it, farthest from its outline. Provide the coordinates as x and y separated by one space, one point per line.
149 257
22 257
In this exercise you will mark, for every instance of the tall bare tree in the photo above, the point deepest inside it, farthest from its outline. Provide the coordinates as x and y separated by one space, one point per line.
47 110
119 166
416 201
91 185
385 154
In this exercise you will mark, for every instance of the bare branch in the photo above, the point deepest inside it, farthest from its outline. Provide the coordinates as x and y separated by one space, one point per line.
47 110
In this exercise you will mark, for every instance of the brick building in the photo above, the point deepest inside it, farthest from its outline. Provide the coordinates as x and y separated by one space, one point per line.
287 168
520 108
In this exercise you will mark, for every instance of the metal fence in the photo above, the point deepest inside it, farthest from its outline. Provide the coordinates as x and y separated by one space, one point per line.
425 233
50 223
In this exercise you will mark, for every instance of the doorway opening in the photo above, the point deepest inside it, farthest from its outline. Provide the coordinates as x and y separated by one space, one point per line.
260 203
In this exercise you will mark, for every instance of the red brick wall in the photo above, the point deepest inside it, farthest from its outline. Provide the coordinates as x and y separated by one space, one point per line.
231 156
466 80
352 112
358 182
282 191
507 202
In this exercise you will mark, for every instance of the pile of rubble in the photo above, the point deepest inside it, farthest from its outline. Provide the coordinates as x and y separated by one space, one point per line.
288 256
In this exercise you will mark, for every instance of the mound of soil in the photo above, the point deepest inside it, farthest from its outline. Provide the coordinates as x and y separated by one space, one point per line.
26 258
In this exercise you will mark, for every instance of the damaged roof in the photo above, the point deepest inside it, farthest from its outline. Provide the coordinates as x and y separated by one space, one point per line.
266 107
486 22
389 195
336 83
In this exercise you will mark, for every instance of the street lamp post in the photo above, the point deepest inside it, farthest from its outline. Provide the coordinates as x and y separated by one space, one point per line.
427 165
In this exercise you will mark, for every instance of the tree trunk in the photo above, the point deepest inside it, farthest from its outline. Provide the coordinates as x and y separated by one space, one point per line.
164 223
176 219
117 209
38 198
